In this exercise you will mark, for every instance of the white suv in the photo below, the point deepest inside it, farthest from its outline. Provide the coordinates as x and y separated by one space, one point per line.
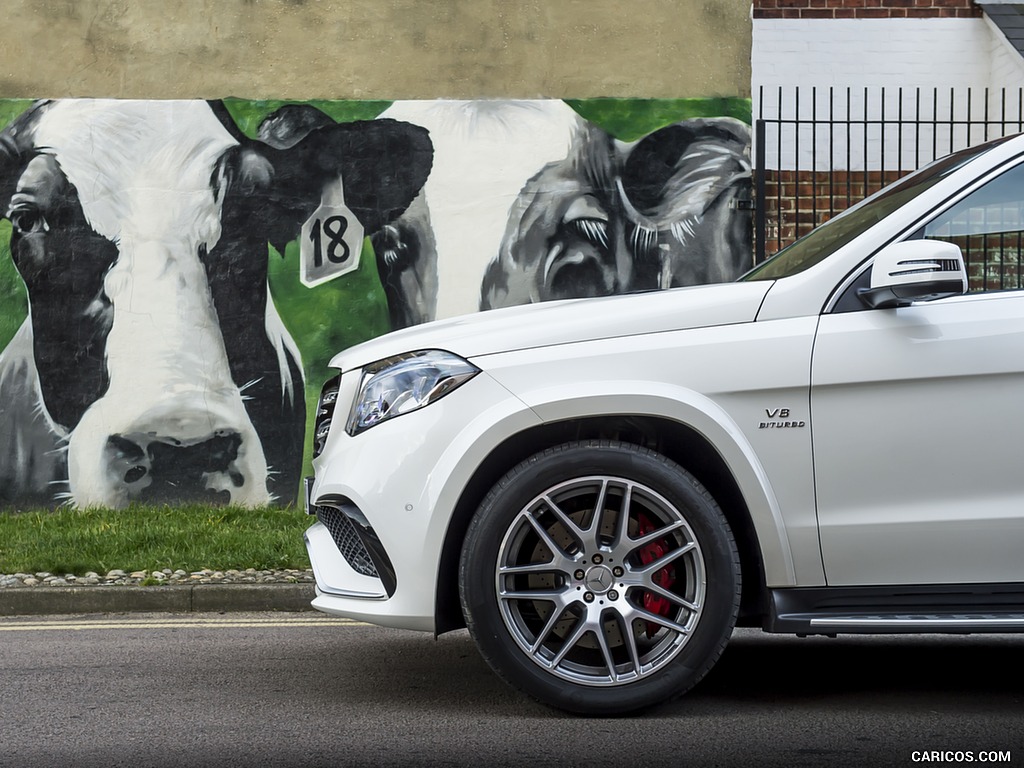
600 489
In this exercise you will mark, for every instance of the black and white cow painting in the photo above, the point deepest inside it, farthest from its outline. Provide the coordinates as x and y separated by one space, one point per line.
153 364
529 202
666 211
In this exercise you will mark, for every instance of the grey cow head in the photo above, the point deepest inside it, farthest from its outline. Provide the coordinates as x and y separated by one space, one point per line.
615 217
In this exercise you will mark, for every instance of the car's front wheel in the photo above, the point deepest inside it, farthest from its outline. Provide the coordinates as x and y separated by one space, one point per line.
600 577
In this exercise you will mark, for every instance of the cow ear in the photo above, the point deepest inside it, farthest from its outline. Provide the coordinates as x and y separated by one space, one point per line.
290 124
681 169
382 164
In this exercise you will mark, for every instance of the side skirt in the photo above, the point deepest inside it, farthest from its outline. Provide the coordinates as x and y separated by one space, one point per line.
947 608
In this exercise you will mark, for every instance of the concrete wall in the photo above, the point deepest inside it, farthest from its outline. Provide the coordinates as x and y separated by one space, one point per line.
302 49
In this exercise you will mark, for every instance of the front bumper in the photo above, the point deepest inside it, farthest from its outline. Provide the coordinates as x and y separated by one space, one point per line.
384 500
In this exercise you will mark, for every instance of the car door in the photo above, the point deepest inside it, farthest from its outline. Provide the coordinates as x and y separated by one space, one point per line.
917 416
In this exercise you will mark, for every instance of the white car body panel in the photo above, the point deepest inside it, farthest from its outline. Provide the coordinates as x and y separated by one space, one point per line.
889 386
566 322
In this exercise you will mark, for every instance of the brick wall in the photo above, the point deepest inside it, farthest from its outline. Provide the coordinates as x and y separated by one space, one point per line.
797 201
865 9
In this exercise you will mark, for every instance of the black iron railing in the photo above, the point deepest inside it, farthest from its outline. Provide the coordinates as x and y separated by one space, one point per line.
818 151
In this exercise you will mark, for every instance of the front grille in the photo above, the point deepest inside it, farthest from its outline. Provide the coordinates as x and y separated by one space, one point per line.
325 414
348 541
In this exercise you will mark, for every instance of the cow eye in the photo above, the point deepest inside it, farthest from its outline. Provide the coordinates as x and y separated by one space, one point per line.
28 220
595 231
587 218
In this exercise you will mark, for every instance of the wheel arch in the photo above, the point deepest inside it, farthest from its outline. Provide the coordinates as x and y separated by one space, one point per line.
677 441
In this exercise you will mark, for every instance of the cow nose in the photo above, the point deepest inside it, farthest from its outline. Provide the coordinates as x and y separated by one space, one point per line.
157 469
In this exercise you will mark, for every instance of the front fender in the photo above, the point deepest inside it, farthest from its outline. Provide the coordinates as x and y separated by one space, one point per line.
724 383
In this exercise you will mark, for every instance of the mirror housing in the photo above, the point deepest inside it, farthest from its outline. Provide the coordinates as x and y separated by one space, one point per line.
915 270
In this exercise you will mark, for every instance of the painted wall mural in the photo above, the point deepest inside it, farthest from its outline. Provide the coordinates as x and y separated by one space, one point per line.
175 275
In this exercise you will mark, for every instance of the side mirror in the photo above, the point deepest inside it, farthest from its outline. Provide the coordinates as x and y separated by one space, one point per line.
915 270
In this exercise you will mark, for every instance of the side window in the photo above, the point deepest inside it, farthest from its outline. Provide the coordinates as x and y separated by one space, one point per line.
988 225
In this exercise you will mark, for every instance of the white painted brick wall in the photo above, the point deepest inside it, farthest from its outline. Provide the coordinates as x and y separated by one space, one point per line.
884 56
893 52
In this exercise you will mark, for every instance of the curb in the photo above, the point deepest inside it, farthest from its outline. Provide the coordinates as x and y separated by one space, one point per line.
36 601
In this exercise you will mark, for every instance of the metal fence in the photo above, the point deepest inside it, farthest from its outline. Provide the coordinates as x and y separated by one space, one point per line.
818 151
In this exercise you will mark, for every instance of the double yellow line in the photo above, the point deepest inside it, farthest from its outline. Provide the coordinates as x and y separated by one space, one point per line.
162 622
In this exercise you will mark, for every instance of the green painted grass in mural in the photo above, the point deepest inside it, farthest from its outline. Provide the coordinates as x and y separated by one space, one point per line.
631 119
189 537
332 317
13 296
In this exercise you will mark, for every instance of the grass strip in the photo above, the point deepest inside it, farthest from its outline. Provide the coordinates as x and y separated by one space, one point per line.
189 537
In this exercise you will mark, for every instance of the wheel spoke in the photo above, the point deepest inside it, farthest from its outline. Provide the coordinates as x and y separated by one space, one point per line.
664 560
650 586
647 538
634 652
551 566
578 631
622 530
595 518
595 521
549 542
574 530
662 621
552 595
606 651
553 619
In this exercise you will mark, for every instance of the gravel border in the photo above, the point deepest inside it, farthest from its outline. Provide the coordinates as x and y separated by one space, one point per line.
157 578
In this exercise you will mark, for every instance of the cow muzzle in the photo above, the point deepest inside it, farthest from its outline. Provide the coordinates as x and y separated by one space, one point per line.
184 449
160 469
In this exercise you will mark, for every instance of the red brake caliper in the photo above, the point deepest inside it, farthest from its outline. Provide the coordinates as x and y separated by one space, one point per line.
664 578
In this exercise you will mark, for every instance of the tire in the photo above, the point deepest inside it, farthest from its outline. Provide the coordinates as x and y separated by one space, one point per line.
600 616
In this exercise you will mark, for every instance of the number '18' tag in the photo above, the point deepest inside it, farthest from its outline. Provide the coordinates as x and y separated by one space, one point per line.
331 239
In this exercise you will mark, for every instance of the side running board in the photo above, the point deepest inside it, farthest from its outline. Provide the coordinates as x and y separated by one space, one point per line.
946 608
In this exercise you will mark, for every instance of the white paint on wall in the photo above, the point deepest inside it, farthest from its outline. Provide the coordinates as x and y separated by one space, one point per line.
876 52
855 72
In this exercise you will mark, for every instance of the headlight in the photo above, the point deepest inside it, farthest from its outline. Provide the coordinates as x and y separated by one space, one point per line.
406 383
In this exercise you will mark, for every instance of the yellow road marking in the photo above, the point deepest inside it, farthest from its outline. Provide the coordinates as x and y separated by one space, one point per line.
163 623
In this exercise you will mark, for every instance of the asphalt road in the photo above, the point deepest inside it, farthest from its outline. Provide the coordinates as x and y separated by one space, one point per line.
307 690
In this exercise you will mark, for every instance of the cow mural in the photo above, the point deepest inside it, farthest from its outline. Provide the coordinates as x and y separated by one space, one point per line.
154 363
613 218
530 202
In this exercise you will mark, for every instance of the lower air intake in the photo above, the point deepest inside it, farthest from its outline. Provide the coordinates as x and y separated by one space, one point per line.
349 543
